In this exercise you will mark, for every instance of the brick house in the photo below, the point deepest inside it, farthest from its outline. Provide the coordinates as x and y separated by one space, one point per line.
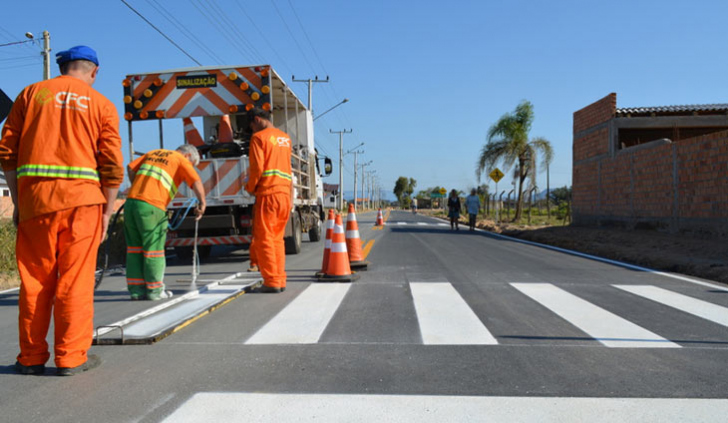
657 167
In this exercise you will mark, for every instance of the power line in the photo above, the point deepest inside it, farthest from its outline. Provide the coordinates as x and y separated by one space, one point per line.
265 39
162 33
293 37
234 29
185 31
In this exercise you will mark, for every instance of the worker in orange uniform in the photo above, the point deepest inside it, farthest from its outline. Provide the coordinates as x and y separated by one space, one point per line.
270 180
155 178
61 153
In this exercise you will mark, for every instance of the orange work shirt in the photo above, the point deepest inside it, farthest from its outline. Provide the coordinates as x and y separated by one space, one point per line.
62 139
158 176
270 163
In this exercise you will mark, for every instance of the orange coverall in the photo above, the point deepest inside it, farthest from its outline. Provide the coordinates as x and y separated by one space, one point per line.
62 139
271 182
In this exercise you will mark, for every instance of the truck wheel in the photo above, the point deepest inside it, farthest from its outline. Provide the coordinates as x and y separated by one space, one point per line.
185 253
314 234
293 242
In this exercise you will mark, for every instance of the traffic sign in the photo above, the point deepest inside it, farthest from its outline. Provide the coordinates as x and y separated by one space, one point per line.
496 175
443 191
436 195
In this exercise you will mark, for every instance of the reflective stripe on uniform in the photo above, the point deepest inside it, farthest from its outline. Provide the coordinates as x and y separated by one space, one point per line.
133 281
161 175
153 254
53 171
278 173
154 285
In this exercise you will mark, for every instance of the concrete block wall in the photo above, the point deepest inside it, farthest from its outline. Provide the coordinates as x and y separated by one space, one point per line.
676 186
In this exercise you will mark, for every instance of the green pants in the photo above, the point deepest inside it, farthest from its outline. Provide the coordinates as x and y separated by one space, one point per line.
145 228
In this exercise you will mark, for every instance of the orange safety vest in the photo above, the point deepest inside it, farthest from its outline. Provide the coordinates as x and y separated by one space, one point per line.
159 174
270 163
62 139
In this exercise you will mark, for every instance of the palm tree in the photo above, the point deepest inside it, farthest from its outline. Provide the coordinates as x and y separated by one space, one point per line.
508 143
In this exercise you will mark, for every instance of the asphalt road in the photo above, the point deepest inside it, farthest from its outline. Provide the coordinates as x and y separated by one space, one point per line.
444 326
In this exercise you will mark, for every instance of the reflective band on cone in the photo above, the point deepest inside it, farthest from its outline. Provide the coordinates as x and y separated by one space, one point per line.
338 269
327 243
193 137
353 241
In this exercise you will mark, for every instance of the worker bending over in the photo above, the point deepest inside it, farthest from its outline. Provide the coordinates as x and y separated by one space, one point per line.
61 154
155 178
269 180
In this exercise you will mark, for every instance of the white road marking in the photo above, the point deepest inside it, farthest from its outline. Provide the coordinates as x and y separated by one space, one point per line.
700 308
260 407
604 326
601 259
305 318
445 318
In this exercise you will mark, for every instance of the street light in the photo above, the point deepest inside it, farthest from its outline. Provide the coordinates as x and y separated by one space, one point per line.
337 105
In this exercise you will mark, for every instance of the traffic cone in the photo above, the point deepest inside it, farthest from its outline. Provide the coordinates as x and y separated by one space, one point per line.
327 243
193 137
353 241
380 218
225 132
338 269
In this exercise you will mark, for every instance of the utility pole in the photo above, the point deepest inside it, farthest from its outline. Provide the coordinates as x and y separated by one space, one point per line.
341 163
46 55
310 88
356 154
363 196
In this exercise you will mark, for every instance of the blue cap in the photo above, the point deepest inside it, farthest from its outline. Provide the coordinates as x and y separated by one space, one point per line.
77 53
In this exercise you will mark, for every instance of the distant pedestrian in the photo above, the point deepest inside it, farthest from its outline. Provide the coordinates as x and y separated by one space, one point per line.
454 209
472 204
414 205
61 153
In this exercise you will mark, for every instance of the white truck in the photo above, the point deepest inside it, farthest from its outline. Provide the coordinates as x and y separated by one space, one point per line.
213 92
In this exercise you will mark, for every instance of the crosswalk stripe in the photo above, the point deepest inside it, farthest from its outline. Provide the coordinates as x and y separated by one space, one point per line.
305 318
445 318
700 308
309 407
604 326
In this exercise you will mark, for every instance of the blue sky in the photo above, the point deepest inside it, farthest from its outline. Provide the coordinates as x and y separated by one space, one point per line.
425 79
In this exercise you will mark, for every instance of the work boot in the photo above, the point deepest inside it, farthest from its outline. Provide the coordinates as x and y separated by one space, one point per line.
135 297
161 296
92 362
265 289
36 370
253 268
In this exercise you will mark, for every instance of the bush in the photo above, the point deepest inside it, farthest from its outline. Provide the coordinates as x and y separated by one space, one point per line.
7 247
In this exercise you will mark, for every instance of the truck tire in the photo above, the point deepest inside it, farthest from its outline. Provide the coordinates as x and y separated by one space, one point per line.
293 242
185 253
314 234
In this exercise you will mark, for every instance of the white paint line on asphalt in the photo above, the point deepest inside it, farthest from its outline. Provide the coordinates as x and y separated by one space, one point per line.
10 291
261 407
445 318
423 223
700 308
400 223
305 318
604 326
176 300
605 260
